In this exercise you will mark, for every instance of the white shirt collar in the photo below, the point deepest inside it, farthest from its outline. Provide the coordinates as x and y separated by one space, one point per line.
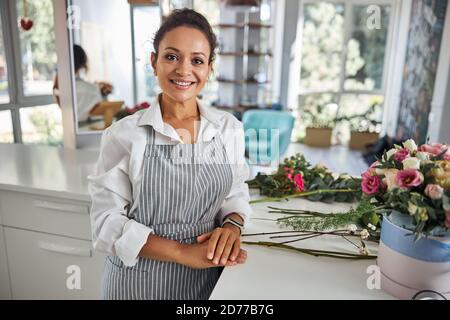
153 116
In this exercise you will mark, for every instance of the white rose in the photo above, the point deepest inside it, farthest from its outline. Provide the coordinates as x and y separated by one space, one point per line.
364 234
390 153
412 208
410 145
352 228
411 163
423 156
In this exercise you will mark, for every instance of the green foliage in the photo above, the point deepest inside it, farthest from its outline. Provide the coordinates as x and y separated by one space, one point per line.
362 215
41 38
282 183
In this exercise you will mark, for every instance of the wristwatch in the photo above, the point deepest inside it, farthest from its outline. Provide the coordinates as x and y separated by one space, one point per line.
233 222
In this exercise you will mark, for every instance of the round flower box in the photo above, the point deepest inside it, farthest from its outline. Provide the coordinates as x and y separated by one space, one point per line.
408 266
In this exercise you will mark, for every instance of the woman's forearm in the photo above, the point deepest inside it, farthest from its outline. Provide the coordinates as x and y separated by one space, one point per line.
162 249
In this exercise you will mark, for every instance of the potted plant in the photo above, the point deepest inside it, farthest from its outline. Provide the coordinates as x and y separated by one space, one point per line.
364 128
320 121
413 185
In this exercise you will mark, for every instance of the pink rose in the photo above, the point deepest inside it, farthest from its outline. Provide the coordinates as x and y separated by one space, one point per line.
370 184
401 155
434 191
372 169
298 180
409 178
447 219
289 176
435 148
390 179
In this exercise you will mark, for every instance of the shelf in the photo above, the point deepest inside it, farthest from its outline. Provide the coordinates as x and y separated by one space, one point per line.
242 53
239 108
249 81
251 25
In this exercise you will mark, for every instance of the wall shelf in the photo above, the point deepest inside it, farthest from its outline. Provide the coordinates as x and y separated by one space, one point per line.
251 25
239 108
242 54
249 81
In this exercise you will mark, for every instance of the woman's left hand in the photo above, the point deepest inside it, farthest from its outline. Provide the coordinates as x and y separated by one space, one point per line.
224 244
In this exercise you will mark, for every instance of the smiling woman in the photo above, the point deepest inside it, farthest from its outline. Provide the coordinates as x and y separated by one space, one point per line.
169 197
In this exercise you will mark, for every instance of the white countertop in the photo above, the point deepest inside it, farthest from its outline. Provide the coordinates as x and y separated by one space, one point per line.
273 273
44 170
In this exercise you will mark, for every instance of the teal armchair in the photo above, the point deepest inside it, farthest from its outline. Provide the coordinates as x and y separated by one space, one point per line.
267 135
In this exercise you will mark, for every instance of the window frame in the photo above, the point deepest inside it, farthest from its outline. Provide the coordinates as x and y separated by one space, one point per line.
17 98
295 92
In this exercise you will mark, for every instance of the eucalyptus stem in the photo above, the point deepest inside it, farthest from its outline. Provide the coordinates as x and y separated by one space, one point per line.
314 252
302 194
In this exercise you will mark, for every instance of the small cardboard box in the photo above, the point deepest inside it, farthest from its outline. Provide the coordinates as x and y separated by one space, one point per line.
318 137
358 140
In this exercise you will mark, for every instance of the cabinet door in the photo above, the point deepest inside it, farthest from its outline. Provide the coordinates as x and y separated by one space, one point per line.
5 289
46 214
44 266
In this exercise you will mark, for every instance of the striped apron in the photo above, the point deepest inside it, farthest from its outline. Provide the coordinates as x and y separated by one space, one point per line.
183 187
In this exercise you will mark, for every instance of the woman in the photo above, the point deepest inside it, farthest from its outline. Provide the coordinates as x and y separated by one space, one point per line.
169 194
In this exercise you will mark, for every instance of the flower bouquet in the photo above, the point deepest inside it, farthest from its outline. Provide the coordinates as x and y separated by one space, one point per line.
296 177
129 111
413 184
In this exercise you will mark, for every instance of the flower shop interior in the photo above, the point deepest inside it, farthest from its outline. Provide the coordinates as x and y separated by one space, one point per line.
334 84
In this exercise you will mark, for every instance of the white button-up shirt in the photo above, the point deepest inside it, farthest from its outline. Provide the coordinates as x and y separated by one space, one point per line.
116 182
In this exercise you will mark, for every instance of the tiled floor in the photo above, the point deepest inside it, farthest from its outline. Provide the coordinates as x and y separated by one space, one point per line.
337 158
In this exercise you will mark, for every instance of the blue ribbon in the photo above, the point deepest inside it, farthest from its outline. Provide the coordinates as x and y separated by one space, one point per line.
402 241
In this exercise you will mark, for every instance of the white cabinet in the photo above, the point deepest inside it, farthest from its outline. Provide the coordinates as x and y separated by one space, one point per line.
49 254
47 214
44 266
5 289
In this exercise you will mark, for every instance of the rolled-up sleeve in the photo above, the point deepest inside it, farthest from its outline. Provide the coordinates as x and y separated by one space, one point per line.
237 201
113 232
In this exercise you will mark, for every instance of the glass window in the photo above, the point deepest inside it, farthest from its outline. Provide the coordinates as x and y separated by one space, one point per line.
366 49
42 125
6 128
37 47
322 44
4 93
146 22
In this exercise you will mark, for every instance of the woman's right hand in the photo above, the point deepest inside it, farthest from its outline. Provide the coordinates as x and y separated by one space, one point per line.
194 256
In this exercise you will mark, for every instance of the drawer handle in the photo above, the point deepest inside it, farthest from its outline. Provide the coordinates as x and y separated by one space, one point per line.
58 248
59 206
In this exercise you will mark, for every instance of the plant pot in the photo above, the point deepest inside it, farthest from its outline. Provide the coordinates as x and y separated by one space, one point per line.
358 140
318 137
408 267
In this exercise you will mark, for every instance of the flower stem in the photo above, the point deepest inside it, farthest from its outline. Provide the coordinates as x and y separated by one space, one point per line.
303 194
314 252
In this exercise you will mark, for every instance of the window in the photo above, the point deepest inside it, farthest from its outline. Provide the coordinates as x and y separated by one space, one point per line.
6 128
4 93
344 46
27 112
37 47
41 125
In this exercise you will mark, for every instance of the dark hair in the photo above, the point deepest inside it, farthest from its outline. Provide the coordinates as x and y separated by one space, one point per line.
79 57
188 18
